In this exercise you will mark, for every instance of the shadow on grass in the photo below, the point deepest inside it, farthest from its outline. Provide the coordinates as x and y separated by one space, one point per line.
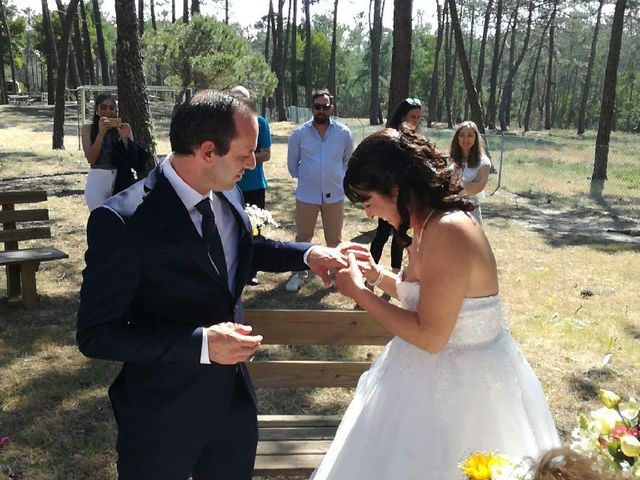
43 176
563 226
55 408
56 185
586 385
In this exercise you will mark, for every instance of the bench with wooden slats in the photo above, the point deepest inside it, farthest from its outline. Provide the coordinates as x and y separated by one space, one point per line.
292 445
21 264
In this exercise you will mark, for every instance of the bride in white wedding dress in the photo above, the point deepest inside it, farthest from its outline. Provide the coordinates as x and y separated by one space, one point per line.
452 381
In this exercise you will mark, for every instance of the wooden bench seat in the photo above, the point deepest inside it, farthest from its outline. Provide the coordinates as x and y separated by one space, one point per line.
293 445
21 264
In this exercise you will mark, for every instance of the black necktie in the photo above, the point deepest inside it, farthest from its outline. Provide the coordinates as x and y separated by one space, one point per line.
212 238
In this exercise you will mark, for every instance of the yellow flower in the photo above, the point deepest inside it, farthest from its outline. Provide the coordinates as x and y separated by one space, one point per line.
610 399
606 419
630 445
481 466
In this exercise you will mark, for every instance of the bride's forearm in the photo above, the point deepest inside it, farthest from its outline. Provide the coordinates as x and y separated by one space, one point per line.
384 280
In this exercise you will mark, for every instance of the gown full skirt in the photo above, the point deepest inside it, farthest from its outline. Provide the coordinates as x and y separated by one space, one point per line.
416 415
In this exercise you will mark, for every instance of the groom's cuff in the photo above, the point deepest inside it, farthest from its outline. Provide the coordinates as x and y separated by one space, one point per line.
204 350
306 255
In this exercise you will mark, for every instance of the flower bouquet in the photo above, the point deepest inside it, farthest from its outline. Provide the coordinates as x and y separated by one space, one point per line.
259 218
613 433
493 466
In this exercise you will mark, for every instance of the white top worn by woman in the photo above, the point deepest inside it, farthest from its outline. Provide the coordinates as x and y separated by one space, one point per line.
469 174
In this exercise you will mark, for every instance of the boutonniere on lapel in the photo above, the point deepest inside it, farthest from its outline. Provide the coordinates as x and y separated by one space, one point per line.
259 218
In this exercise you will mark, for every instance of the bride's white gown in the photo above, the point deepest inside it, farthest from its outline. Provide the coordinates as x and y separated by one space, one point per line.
415 415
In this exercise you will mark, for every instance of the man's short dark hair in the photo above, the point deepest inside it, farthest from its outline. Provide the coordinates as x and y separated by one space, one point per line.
207 116
321 93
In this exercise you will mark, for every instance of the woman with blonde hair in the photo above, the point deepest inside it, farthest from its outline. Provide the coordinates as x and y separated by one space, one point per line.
467 151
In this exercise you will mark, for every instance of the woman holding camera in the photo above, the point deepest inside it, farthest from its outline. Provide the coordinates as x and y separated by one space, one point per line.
106 143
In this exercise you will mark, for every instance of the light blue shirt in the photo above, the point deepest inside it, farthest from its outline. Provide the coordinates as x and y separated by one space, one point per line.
319 163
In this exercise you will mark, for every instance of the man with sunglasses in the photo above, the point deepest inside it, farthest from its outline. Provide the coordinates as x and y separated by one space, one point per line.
317 157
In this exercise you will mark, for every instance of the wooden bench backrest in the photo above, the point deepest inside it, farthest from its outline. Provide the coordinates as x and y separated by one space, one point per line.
10 234
312 327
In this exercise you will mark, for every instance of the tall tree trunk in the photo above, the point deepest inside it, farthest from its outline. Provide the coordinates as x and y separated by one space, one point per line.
152 12
5 26
226 12
433 91
285 54
141 18
472 21
483 45
195 8
332 60
532 82
61 80
307 53
266 52
495 66
375 35
401 56
582 112
608 101
294 55
3 83
154 26
132 87
27 62
507 91
86 43
51 53
173 11
472 95
278 63
448 80
97 21
72 71
550 73
185 11
79 49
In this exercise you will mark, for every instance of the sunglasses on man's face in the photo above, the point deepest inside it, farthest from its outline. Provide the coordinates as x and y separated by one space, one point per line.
318 106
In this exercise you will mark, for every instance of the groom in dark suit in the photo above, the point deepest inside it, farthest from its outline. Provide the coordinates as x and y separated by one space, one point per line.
166 263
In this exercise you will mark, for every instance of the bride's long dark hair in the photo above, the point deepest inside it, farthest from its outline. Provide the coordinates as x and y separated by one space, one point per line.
407 160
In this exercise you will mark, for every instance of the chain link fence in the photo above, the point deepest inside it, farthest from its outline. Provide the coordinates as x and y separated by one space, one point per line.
553 170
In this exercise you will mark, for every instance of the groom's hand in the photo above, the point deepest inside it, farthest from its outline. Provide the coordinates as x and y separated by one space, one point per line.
231 343
323 261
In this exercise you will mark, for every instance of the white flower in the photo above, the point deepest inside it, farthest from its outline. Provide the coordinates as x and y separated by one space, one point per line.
259 217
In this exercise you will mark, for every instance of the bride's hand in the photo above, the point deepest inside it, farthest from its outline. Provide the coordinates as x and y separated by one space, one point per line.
357 248
367 265
350 280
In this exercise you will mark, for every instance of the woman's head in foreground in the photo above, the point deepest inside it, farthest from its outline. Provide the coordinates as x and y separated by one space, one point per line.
565 464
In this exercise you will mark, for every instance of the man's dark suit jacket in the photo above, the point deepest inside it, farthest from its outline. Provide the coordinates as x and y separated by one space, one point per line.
148 290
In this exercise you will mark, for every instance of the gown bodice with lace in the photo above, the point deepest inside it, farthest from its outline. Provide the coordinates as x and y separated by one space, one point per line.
415 415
